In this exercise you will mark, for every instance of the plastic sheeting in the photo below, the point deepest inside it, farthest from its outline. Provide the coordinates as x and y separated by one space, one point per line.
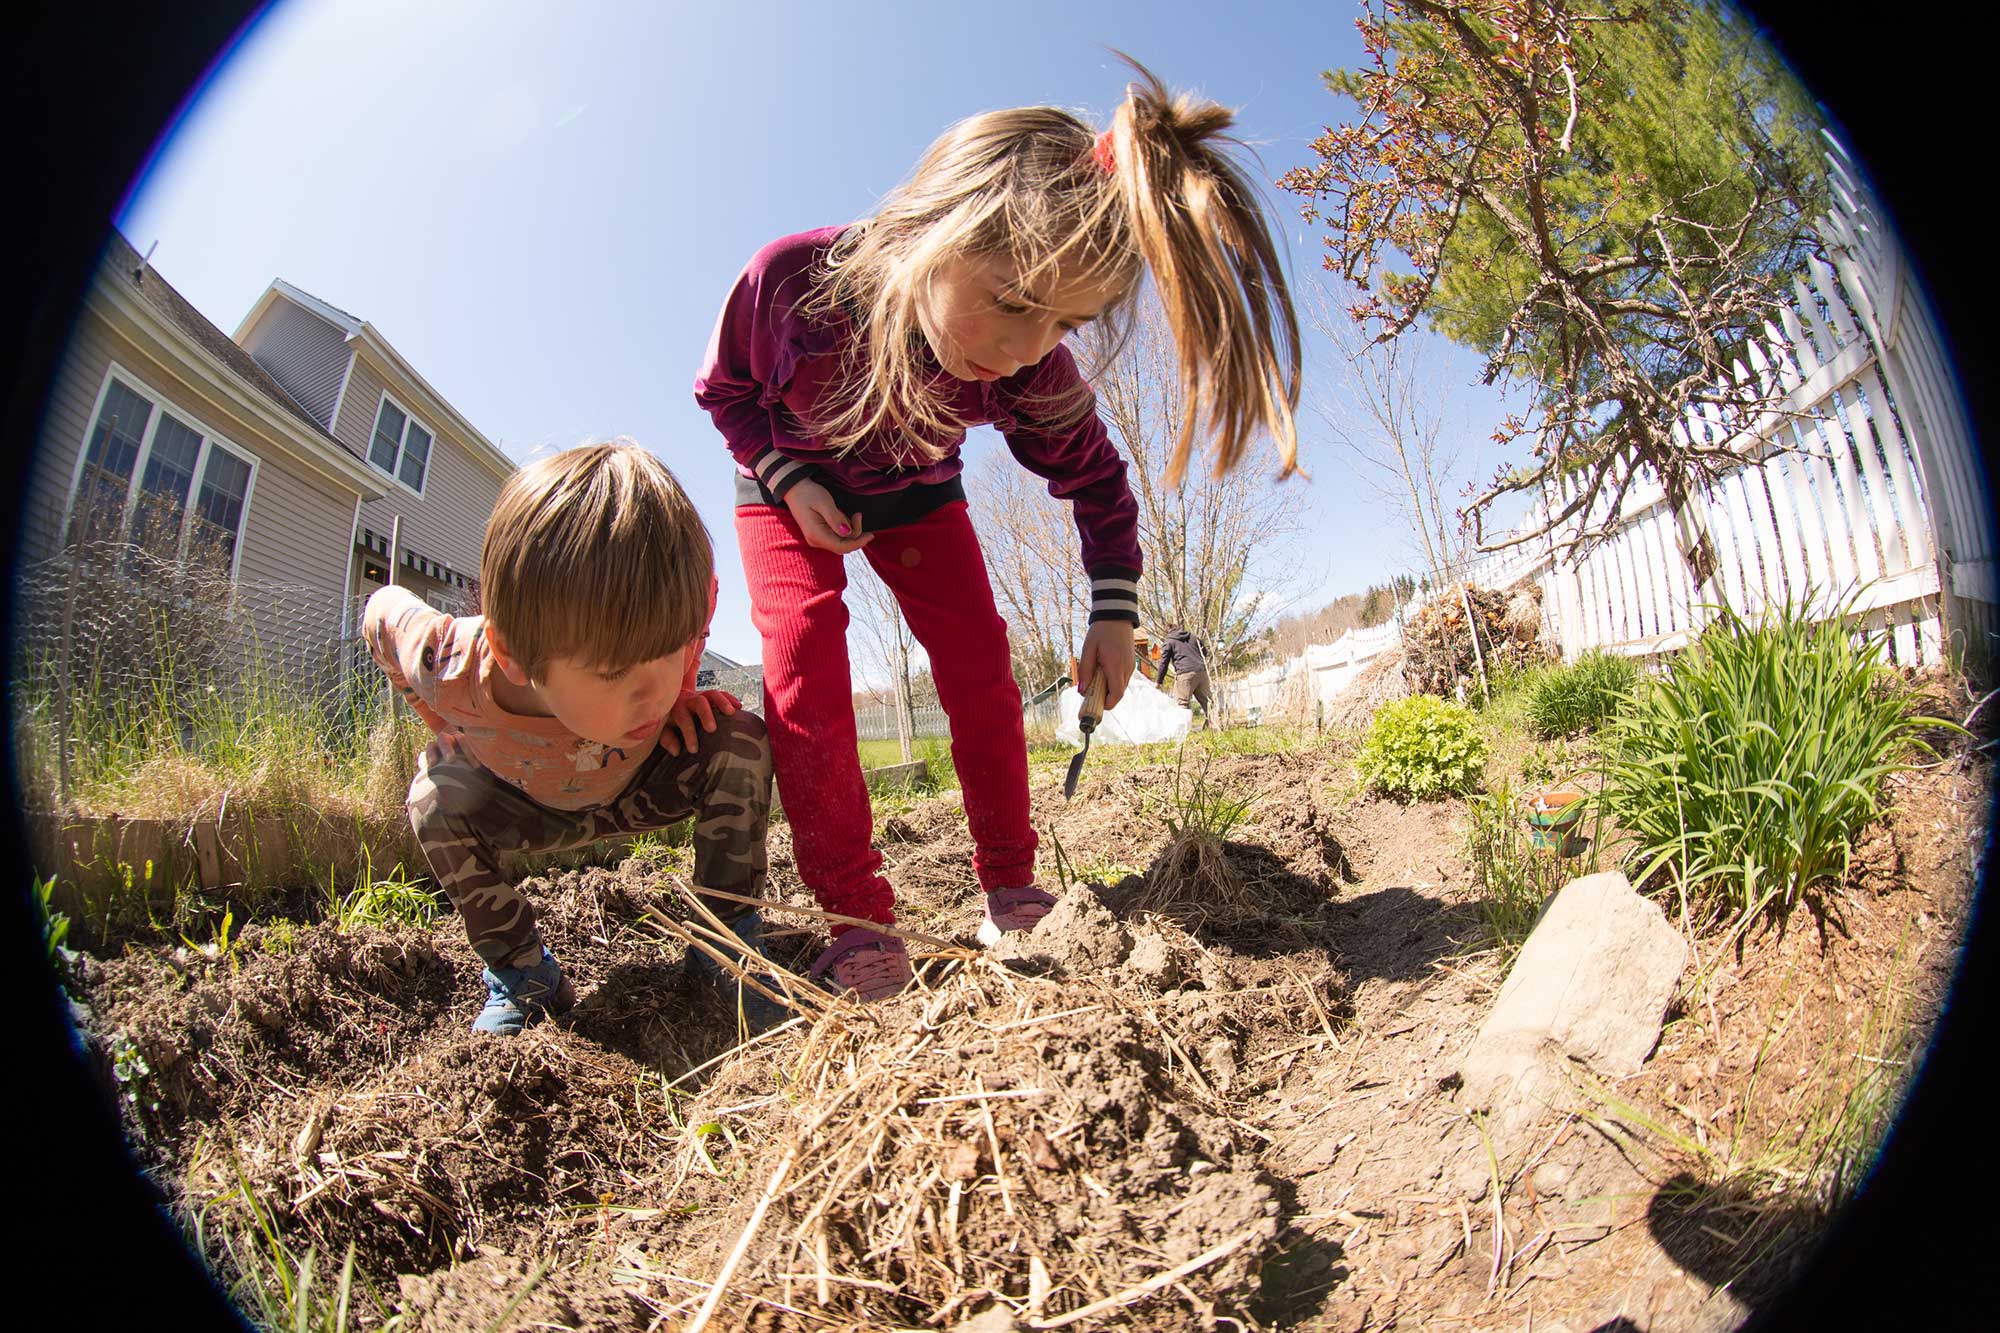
1146 714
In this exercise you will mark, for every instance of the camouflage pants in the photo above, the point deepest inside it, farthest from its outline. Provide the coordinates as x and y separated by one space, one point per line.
466 819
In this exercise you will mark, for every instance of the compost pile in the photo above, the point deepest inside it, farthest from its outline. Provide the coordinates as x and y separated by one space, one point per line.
1439 650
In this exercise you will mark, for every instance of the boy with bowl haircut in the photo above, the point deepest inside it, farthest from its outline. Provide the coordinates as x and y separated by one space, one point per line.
568 713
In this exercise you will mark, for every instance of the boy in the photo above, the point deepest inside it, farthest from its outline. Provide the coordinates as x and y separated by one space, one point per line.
568 712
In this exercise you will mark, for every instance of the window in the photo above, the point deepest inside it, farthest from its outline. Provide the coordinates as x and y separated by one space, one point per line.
401 446
151 477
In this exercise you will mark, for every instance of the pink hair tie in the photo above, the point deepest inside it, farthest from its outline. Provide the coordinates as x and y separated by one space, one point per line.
1106 157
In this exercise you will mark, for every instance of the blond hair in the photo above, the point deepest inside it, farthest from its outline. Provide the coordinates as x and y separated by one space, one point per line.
597 555
1027 184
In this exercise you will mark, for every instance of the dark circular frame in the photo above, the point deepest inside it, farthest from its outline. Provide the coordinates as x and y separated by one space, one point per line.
94 90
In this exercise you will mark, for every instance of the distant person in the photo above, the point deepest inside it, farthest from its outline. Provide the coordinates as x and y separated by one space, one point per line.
843 373
568 713
1180 653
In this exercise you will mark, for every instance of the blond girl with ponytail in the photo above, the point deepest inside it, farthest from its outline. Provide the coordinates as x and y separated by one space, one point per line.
844 371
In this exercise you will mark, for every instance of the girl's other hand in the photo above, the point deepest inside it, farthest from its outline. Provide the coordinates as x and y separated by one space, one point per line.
821 521
698 709
1107 647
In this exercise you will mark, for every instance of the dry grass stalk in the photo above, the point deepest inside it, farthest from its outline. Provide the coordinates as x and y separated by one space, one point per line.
1146 1288
922 1180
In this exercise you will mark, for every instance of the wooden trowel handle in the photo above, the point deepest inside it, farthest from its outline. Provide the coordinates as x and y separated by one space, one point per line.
1092 712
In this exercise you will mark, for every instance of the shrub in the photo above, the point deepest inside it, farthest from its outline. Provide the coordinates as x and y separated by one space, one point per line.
1748 770
1422 747
1581 696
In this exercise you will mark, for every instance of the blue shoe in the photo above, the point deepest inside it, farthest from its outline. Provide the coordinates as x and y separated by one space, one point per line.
759 1012
518 996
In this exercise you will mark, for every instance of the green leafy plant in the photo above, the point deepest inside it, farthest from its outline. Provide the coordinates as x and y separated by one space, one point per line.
1747 771
1581 696
132 1074
221 946
1421 748
55 925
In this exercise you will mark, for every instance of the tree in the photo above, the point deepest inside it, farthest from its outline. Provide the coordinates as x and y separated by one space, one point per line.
1204 538
1607 203
1031 557
886 638
1385 406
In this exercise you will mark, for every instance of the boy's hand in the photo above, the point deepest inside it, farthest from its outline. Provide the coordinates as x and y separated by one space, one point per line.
679 734
820 519
1107 647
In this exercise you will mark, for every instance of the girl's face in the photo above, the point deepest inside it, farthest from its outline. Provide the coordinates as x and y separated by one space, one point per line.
983 325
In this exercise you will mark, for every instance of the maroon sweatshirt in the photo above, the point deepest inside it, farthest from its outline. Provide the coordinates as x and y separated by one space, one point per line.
768 364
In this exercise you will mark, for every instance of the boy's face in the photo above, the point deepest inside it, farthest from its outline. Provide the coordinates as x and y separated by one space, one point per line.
622 709
983 325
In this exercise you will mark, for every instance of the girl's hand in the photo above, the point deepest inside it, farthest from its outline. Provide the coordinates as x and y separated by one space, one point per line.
701 706
1107 647
820 519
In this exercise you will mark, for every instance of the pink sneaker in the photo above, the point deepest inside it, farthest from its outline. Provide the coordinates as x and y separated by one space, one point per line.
1021 908
872 965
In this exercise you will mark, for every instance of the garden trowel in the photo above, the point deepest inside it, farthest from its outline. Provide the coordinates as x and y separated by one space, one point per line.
1087 718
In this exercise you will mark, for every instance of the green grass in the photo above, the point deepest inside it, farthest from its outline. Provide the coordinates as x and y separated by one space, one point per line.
397 899
1748 770
1562 701
1515 878
933 752
278 1287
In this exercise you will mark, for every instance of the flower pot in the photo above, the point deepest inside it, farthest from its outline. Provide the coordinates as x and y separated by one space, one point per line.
1552 815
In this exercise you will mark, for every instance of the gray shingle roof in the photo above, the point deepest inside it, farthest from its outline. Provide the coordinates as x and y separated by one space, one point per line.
121 264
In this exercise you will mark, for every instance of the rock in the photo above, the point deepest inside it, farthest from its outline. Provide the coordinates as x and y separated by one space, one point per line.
993 1319
1550 1179
1154 961
1590 985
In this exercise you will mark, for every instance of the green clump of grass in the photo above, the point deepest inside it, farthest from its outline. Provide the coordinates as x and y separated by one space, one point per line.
395 899
1747 771
1514 877
1582 696
1422 748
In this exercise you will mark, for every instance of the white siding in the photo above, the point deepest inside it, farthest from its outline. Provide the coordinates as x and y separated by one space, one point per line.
304 353
292 561
448 521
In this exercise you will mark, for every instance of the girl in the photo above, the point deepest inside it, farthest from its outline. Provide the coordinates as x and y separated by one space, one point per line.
843 373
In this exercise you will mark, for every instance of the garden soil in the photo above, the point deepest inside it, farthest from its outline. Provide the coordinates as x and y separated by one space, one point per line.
1217 1084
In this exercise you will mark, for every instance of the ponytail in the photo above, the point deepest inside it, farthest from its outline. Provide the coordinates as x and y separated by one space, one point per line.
1196 221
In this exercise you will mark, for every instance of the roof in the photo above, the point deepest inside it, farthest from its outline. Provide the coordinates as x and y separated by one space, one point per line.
122 264
360 329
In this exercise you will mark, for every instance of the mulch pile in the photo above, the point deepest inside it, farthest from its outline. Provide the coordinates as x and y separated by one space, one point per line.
1439 652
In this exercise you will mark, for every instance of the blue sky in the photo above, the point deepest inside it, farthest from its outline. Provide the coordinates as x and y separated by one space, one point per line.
542 206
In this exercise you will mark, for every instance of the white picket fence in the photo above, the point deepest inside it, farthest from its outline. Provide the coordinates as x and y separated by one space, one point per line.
1319 673
1865 491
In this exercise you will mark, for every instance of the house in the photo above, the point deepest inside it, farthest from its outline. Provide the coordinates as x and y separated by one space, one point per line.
279 463
439 475
279 460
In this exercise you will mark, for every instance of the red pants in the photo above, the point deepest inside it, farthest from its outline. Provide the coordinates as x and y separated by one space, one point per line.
935 569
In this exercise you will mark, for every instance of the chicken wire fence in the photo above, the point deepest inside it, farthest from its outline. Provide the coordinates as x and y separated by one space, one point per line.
115 647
